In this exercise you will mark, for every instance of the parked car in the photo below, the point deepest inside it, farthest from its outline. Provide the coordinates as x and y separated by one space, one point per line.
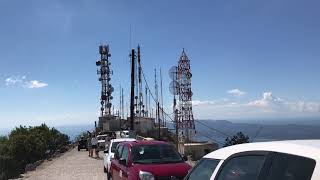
278 160
102 141
147 160
110 150
82 144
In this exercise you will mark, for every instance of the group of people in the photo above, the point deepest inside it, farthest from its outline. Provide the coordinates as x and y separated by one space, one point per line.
93 146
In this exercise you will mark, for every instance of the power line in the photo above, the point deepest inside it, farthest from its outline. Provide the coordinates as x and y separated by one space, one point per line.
223 133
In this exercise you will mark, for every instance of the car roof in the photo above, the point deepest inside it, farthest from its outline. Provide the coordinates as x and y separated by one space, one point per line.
144 142
123 139
305 148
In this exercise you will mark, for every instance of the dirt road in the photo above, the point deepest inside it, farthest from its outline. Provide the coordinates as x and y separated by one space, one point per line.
71 165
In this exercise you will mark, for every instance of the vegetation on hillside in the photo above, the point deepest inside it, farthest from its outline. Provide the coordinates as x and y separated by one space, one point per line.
239 138
25 145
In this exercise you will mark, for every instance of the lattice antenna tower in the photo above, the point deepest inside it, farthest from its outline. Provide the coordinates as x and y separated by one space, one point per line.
185 114
105 72
141 107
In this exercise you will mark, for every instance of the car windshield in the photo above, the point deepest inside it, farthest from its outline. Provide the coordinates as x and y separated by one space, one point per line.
159 153
114 146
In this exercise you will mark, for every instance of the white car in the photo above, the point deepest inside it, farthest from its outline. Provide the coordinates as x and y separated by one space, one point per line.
102 141
277 160
110 150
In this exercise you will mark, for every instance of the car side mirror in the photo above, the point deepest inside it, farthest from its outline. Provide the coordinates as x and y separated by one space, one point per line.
185 158
123 162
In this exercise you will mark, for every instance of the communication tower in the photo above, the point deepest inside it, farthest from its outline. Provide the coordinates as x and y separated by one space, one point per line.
105 72
181 87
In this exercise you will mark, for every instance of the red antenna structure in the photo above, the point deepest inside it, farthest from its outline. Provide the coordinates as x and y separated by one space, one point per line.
185 117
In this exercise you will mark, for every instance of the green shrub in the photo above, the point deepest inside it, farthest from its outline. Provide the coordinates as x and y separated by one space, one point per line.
26 145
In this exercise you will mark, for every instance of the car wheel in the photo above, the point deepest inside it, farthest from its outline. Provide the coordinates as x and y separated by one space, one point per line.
109 176
104 169
87 149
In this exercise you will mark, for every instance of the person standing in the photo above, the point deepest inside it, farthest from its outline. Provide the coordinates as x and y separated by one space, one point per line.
89 145
94 145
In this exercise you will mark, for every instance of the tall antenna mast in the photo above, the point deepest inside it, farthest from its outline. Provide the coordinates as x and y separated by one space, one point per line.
105 73
140 91
174 89
120 101
146 102
185 114
156 93
162 116
132 97
122 104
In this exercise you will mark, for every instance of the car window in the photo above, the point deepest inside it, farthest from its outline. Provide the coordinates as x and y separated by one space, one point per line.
156 153
290 167
119 151
242 168
114 146
203 170
125 154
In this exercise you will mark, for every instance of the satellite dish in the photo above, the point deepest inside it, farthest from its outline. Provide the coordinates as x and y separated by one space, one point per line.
189 75
174 88
173 72
111 89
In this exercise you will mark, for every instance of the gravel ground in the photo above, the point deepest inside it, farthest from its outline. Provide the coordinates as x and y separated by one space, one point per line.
71 165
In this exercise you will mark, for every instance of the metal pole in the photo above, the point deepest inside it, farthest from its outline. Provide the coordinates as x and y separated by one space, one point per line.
132 90
158 104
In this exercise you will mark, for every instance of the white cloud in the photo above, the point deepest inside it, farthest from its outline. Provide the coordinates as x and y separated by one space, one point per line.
236 92
267 100
268 106
14 80
22 81
36 84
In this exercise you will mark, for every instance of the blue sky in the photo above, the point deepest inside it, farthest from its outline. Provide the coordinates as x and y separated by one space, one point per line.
250 59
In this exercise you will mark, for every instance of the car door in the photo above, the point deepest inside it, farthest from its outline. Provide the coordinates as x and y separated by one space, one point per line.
115 168
124 167
244 166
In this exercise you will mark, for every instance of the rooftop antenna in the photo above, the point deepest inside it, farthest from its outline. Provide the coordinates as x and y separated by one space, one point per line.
130 36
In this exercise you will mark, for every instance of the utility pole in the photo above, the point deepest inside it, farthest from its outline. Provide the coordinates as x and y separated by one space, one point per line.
158 106
132 89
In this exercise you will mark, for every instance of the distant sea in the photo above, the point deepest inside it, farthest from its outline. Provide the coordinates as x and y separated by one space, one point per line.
218 130
71 130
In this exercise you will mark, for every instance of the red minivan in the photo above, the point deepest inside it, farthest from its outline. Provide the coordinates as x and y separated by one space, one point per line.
148 160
